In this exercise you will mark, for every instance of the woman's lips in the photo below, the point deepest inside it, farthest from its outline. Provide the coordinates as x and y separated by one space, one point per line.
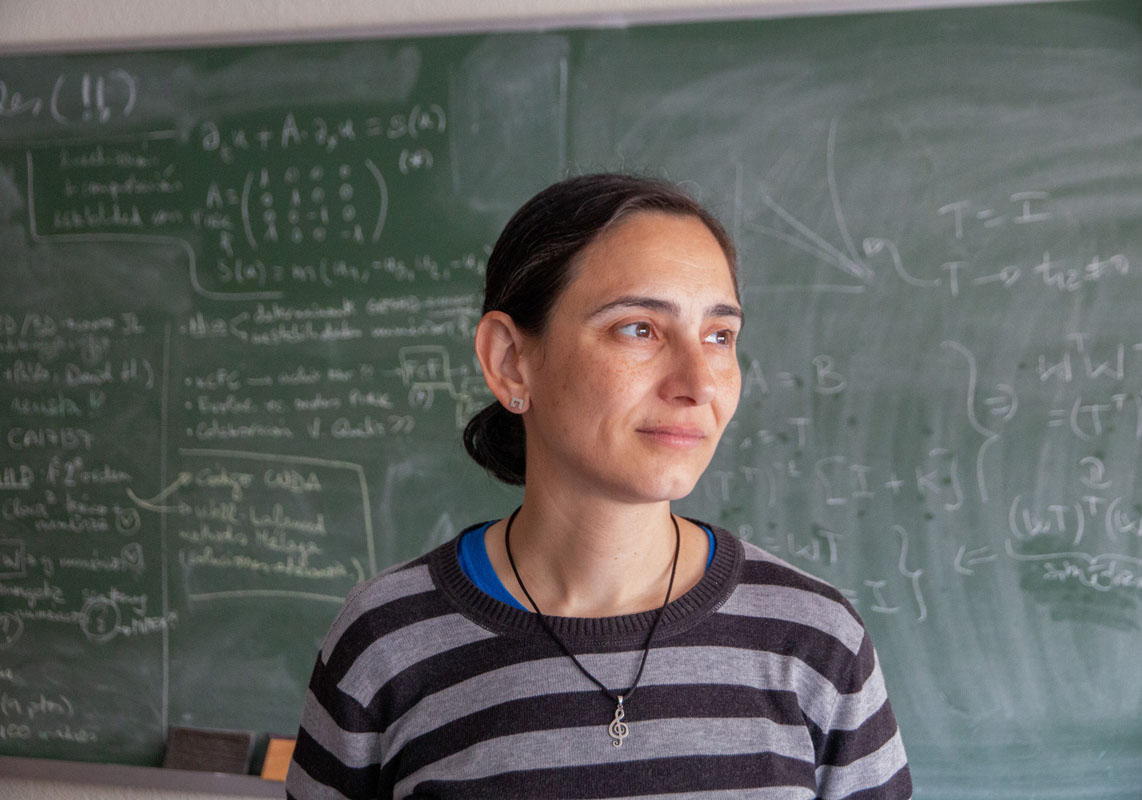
674 435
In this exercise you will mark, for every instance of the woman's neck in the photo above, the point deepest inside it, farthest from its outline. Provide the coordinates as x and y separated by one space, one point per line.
596 559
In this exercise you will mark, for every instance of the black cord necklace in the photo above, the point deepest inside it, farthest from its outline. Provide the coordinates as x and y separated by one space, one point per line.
618 729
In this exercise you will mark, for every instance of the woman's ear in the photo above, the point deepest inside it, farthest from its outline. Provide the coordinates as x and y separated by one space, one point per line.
499 347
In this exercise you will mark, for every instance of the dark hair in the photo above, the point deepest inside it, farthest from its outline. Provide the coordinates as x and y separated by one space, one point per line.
533 262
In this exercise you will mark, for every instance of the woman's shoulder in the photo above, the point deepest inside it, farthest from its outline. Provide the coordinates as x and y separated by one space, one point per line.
374 594
764 567
392 583
417 587
771 588
397 590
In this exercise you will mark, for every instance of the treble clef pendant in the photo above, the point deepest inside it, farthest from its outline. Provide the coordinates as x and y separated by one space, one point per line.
618 729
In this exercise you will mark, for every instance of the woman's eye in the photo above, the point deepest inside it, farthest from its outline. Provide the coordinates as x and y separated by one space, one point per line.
641 330
723 337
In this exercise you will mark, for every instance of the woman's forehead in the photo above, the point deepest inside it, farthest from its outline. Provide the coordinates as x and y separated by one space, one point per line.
651 248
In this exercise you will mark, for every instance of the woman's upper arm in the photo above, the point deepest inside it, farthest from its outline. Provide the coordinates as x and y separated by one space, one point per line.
862 756
338 752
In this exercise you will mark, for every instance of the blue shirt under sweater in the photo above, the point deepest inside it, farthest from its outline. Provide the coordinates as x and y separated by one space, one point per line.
477 567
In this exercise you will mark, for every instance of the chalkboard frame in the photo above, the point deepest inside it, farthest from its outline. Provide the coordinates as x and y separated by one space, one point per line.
224 785
129 777
588 20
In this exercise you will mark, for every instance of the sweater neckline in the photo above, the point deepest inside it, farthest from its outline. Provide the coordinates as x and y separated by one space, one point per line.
680 615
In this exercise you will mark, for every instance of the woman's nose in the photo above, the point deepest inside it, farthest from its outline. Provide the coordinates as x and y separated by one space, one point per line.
690 379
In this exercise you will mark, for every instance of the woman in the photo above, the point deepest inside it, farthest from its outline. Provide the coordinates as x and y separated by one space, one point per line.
593 644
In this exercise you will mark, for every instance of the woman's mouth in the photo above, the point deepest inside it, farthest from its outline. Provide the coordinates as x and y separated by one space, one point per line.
682 436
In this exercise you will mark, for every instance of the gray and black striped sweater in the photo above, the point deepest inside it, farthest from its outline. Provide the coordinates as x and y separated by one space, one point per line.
762 683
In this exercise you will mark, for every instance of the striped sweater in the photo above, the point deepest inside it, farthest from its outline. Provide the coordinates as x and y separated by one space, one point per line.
762 682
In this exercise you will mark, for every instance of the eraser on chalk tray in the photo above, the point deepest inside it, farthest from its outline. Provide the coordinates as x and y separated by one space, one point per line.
209 750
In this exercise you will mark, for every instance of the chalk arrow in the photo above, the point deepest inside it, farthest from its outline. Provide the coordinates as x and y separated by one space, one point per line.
183 479
972 558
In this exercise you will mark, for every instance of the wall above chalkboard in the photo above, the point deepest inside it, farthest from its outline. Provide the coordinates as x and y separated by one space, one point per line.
239 288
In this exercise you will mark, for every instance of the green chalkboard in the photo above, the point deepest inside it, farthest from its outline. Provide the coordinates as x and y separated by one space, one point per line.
239 287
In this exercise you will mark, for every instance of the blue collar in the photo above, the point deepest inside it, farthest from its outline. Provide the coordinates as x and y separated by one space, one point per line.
477 567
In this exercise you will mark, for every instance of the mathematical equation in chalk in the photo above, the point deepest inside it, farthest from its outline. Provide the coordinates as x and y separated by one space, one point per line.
84 97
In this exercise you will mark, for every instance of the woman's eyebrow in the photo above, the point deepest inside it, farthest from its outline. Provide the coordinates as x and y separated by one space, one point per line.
665 307
726 310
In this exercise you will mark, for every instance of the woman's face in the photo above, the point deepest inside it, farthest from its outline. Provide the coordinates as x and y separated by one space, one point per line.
636 375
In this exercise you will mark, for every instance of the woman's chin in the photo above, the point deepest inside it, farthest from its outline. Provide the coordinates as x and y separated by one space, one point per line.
664 487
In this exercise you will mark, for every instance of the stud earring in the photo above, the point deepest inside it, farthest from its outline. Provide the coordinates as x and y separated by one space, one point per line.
516 404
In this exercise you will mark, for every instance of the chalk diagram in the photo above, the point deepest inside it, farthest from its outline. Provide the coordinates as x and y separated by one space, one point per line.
352 475
799 235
